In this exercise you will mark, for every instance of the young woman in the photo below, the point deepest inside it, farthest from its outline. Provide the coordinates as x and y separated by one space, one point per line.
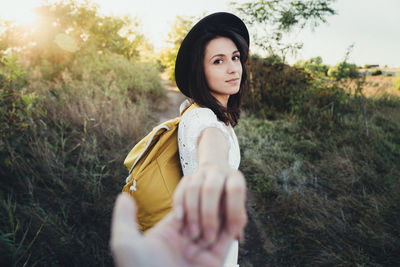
210 71
209 202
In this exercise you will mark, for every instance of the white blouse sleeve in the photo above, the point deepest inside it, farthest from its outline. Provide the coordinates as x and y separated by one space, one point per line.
191 125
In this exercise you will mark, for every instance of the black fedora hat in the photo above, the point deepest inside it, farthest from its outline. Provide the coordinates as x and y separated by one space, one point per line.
214 22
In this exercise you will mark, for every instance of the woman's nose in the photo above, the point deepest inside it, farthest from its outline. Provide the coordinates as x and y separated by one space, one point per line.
234 66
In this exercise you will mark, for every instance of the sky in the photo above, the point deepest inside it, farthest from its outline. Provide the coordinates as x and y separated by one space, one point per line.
373 26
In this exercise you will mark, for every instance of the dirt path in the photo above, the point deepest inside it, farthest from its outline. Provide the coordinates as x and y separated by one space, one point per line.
170 109
253 250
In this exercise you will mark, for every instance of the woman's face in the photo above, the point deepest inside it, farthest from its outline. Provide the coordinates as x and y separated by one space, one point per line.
222 68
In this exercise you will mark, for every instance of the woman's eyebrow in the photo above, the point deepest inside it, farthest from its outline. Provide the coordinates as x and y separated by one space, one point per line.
223 55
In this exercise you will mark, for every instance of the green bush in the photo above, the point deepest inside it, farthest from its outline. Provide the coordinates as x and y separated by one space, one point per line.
314 66
376 72
180 28
322 106
343 70
69 30
16 107
116 75
273 87
277 88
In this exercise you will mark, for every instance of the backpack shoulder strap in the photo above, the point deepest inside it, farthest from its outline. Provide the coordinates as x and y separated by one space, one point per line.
144 144
192 106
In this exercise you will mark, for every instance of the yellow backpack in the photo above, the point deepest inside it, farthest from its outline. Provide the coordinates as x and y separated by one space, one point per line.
154 172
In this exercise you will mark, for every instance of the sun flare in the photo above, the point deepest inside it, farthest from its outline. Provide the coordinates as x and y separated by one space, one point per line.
20 11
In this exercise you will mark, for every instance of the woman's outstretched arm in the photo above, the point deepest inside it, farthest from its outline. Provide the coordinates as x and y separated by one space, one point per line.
213 198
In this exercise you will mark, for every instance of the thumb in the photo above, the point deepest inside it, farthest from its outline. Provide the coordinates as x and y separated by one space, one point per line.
124 225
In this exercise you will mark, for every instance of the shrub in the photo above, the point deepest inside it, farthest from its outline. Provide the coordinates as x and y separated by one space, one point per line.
16 108
343 70
273 88
321 106
115 75
180 28
279 88
376 72
314 66
59 43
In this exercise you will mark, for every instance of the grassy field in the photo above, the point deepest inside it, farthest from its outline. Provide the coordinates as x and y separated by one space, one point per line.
62 146
375 86
327 197
326 184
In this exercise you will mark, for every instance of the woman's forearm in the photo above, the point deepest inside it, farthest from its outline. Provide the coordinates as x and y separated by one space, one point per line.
202 193
213 147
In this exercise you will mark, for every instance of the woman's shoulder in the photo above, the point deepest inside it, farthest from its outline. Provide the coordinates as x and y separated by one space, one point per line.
196 114
199 118
194 121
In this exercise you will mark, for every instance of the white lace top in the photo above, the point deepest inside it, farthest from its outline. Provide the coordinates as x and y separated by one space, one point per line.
191 125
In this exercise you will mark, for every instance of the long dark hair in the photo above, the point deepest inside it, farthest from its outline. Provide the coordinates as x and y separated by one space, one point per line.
199 90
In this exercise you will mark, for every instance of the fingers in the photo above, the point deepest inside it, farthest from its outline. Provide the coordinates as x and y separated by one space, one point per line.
178 198
207 194
236 217
221 247
200 196
211 195
213 255
124 218
124 232
192 204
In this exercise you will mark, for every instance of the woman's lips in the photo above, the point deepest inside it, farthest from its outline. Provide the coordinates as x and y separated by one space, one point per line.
234 81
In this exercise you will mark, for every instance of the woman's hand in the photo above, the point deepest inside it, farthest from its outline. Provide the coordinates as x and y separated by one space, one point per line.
213 198
164 245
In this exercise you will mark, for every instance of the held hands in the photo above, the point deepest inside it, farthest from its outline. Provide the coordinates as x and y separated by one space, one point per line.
164 245
208 212
213 199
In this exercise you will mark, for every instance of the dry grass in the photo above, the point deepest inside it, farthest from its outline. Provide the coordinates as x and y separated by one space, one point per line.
374 86
61 173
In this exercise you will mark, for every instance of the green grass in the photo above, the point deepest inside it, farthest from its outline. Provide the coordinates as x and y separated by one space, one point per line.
327 197
327 182
62 146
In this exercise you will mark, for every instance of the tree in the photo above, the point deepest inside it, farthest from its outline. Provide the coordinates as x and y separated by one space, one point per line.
314 66
180 28
70 29
343 70
271 21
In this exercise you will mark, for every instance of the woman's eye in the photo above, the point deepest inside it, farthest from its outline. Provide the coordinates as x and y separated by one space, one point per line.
236 57
218 61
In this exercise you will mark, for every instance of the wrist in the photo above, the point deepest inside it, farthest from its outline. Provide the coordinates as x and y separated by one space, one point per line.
213 164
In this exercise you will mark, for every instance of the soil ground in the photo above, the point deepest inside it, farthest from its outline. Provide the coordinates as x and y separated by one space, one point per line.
253 249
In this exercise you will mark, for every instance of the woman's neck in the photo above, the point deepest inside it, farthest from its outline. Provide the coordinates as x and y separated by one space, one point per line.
222 99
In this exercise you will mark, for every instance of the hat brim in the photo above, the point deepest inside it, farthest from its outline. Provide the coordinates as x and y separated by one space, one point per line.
216 21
